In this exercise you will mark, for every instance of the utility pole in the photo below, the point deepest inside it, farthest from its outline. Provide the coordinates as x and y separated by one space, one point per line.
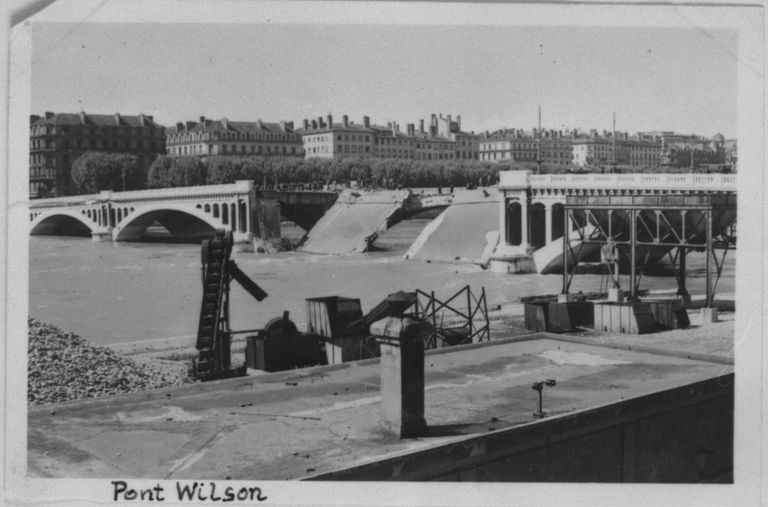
613 140
693 148
538 147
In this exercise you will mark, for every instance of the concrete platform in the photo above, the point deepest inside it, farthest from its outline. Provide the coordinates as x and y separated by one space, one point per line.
302 423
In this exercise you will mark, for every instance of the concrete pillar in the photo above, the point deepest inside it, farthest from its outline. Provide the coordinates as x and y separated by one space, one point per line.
524 237
401 341
503 239
547 222
249 206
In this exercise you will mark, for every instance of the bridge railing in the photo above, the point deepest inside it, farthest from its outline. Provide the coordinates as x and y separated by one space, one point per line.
56 202
152 194
654 181
201 191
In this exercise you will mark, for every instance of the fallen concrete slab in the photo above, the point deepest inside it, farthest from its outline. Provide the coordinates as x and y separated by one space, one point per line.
353 221
467 231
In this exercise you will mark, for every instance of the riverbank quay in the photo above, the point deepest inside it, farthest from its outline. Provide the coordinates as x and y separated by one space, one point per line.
506 320
315 421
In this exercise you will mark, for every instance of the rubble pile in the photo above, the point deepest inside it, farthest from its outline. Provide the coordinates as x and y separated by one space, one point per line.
63 366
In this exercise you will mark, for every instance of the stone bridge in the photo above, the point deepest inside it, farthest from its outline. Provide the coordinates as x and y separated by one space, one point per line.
190 214
187 213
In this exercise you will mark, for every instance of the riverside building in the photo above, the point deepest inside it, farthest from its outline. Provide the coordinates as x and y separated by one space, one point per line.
57 139
442 139
224 137
521 147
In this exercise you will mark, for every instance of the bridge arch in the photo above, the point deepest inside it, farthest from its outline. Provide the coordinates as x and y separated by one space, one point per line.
185 223
62 223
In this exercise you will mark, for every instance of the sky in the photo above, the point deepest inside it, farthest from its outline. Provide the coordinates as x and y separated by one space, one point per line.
653 78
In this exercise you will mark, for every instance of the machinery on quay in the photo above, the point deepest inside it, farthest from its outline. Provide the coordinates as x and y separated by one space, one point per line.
337 329
213 331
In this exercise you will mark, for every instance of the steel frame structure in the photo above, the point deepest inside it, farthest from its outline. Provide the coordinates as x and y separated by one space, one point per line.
646 223
428 308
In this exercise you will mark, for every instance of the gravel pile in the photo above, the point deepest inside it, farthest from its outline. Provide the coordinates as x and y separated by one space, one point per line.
63 367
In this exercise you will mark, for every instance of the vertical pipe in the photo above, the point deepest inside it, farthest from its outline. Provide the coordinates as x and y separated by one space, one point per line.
681 288
434 317
566 215
485 313
633 253
469 310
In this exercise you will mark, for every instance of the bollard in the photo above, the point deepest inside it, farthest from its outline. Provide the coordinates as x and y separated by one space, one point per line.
401 341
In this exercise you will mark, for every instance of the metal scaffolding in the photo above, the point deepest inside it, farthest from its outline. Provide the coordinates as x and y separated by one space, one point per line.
649 227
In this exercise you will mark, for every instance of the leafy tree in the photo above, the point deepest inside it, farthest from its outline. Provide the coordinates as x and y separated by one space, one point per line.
168 172
94 171
158 175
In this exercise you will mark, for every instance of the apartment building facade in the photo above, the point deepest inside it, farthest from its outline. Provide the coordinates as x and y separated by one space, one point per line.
441 139
521 147
224 137
57 139
603 151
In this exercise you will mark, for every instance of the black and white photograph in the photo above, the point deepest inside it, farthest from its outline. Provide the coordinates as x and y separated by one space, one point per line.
390 253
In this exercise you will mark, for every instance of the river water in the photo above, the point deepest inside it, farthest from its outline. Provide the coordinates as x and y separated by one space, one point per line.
121 292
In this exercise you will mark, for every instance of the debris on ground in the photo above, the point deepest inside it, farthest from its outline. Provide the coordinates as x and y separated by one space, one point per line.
62 366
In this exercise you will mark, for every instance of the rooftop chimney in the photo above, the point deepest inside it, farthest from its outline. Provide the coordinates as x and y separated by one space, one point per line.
314 124
401 340
306 124
458 121
330 121
49 115
202 120
366 121
117 118
421 126
345 120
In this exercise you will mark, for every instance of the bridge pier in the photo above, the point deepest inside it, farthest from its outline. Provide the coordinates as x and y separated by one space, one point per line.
513 254
242 241
102 235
